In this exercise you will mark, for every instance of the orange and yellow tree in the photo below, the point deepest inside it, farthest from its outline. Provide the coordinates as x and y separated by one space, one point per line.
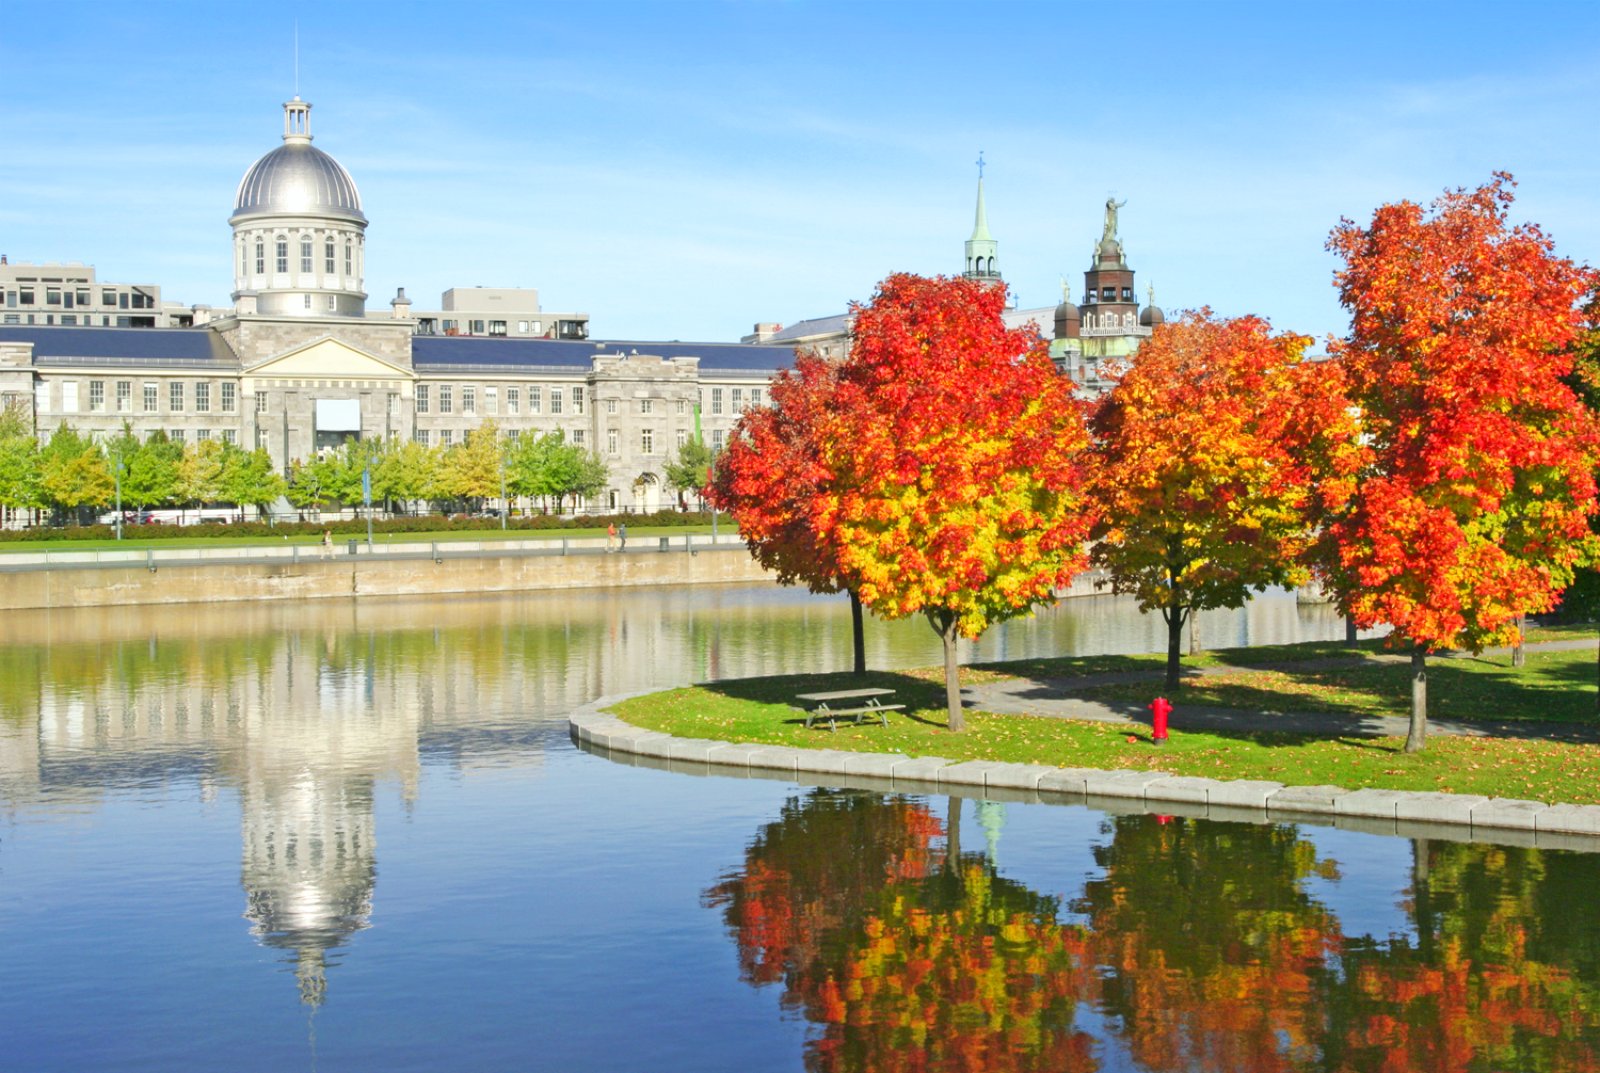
954 455
772 478
1466 501
1206 450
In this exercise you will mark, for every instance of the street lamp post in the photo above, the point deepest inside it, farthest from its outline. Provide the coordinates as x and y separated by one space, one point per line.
116 476
505 507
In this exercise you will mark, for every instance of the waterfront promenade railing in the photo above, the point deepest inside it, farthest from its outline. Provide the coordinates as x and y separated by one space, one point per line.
347 549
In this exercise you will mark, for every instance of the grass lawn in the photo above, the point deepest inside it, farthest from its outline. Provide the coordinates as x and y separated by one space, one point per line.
1554 685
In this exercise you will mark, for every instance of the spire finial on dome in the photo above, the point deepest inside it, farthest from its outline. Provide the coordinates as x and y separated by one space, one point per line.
1066 291
1150 294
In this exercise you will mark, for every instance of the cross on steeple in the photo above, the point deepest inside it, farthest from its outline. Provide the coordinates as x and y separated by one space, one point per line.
980 163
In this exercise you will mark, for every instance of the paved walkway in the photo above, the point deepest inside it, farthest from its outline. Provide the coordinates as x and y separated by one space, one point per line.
1057 698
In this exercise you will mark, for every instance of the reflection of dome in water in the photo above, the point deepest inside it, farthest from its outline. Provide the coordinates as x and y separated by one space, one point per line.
309 870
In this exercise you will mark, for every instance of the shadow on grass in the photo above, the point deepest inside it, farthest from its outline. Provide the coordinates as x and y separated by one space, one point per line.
1539 702
915 693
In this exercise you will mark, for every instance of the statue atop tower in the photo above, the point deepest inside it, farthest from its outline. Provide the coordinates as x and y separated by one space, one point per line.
1110 232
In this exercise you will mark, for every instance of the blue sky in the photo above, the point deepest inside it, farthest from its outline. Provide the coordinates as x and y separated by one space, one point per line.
683 170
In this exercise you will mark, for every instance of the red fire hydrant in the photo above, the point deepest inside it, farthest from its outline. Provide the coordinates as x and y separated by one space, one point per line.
1160 708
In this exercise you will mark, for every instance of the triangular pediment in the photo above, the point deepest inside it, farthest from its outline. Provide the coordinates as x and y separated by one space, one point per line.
331 359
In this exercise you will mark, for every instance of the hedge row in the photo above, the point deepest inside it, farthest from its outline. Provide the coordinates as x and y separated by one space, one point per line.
425 523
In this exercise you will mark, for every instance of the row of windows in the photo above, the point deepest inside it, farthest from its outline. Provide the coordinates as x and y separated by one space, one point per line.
86 319
150 396
446 437
1109 294
201 435
80 297
738 399
441 398
280 256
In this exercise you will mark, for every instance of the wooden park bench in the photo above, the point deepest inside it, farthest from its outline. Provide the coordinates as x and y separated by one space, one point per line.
859 703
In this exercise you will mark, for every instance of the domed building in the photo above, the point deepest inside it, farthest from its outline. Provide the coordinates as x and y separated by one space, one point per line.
298 230
300 365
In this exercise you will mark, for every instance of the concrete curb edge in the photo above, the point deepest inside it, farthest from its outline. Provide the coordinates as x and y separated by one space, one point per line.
1415 814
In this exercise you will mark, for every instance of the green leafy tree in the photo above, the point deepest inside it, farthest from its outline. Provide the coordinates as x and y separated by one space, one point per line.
250 479
309 483
690 470
19 461
73 472
200 472
150 474
473 467
405 471
549 468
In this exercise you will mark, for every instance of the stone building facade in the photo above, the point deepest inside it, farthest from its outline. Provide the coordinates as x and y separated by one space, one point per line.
299 364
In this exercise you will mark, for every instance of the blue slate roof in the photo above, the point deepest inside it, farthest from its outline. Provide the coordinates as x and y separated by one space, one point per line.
443 351
190 346
120 346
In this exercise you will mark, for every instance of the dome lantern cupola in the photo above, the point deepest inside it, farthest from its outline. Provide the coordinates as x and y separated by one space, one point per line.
299 233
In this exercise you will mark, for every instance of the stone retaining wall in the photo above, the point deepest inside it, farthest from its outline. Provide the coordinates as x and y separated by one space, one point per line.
346 576
1457 817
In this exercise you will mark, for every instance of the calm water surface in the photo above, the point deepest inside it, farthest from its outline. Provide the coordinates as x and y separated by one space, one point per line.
344 837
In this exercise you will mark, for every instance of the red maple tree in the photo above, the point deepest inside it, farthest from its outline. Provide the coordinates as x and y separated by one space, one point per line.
1206 451
955 455
772 478
1464 503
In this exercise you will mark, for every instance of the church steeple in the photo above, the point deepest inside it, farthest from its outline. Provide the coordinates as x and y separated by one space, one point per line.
982 249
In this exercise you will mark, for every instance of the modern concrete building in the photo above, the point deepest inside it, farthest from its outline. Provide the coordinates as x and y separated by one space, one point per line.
503 312
68 294
299 365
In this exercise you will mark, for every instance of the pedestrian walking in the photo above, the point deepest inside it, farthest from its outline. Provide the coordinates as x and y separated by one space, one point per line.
327 543
611 537
623 533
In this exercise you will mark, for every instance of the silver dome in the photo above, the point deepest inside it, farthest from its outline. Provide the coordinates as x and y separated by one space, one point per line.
298 179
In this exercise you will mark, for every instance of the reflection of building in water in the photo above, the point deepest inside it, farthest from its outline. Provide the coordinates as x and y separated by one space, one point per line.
309 868
305 709
306 768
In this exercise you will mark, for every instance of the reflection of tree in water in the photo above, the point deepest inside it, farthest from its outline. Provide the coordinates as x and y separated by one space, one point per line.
907 957
1202 949
1503 971
1212 954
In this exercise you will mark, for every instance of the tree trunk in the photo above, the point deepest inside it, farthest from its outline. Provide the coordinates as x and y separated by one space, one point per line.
1350 638
858 634
1418 732
1174 617
1423 911
952 835
1518 657
944 624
